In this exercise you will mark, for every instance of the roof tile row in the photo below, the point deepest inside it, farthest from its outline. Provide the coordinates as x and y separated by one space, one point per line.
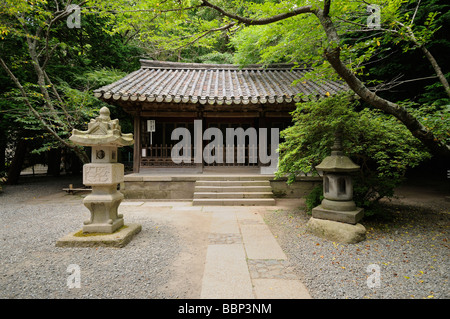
168 82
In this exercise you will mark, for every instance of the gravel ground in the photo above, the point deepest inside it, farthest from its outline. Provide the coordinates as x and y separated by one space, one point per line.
32 267
409 249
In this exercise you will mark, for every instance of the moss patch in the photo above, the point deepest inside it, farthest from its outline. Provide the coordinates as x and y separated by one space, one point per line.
81 234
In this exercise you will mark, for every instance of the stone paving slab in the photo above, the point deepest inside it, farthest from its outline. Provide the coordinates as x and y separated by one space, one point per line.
279 289
226 273
249 214
259 243
271 269
184 208
127 203
224 222
166 204
223 238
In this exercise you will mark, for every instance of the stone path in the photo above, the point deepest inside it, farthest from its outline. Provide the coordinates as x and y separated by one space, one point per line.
241 258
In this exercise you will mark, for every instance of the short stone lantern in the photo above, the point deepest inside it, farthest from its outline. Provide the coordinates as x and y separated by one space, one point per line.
338 205
103 174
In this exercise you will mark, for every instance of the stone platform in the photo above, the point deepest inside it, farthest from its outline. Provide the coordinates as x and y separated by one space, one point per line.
170 184
118 239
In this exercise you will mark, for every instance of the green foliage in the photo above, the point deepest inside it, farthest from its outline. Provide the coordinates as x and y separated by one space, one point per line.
435 117
376 56
398 56
435 94
279 42
216 58
314 198
379 143
78 61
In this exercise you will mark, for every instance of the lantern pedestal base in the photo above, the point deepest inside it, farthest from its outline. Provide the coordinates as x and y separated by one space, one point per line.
104 227
120 238
103 204
348 217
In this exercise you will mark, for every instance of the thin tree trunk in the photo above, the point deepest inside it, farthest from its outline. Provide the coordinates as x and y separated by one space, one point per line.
437 69
430 57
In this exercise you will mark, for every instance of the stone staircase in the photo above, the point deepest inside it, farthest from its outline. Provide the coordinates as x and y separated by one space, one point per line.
233 191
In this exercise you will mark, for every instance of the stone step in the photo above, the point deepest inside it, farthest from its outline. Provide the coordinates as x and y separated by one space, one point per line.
233 183
236 190
236 195
228 189
234 177
233 202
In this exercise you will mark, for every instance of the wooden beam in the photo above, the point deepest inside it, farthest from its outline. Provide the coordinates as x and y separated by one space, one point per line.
230 114
137 144
168 114
278 114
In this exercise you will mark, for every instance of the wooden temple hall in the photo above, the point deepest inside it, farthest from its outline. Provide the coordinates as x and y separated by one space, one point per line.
162 96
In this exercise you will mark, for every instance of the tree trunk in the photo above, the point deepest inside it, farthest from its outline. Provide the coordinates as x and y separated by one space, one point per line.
54 162
412 124
332 55
3 153
76 164
17 162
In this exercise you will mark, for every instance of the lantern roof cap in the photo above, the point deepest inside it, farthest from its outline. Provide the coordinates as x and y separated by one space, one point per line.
337 161
102 131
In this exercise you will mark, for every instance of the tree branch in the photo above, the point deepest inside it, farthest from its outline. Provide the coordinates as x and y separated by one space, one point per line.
144 10
225 27
415 12
326 8
69 118
396 82
250 21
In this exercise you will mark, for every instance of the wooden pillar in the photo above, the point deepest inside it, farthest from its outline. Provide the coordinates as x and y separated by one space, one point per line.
261 119
199 141
262 123
137 143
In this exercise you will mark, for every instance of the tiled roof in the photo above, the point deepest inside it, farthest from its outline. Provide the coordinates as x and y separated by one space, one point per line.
173 82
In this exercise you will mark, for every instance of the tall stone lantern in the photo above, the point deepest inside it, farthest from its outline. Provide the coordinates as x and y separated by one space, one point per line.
103 174
337 216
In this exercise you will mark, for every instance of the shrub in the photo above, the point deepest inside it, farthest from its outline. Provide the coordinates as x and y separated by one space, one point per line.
314 198
379 143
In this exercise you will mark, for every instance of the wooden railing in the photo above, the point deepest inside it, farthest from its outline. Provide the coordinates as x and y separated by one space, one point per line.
161 156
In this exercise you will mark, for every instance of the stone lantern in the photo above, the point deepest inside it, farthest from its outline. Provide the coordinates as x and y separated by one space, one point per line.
338 201
337 216
103 174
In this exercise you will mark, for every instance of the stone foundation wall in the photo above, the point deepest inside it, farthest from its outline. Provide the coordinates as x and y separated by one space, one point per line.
298 189
182 187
